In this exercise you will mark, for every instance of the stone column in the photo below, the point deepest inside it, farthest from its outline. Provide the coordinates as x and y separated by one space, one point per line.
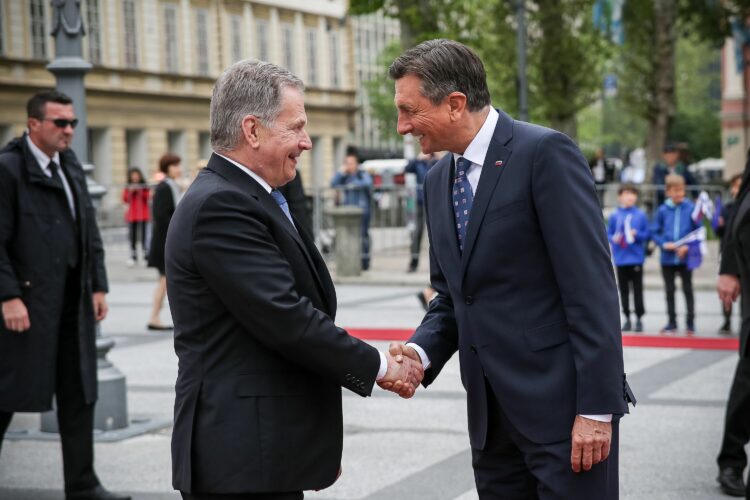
347 221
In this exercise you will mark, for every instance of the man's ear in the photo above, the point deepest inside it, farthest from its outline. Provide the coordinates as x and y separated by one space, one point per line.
251 130
456 105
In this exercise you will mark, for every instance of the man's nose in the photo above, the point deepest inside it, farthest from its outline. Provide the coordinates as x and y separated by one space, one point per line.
403 126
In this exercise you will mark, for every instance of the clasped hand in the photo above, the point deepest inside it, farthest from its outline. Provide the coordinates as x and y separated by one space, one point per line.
405 371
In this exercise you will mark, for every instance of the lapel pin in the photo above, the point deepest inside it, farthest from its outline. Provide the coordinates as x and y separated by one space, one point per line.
499 163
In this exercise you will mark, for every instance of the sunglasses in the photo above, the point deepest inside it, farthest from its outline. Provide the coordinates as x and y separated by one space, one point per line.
62 122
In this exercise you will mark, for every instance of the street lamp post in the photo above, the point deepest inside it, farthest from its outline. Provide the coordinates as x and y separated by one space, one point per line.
523 105
69 69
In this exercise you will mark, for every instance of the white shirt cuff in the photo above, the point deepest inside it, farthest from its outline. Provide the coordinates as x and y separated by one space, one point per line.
383 367
422 355
599 418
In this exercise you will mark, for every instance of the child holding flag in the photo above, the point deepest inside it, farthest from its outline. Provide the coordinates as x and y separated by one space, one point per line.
628 234
674 230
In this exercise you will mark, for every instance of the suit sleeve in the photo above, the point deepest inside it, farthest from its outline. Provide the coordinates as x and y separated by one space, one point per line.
9 288
99 269
256 284
438 332
728 263
570 220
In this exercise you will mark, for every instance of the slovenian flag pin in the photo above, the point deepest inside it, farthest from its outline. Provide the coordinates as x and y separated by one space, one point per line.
499 163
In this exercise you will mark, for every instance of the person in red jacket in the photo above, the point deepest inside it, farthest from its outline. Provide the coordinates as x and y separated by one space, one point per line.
136 196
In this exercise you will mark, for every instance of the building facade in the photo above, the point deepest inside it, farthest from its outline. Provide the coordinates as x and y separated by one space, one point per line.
372 34
735 107
154 64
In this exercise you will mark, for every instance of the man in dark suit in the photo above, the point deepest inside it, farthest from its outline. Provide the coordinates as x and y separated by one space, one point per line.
53 287
261 362
734 277
525 289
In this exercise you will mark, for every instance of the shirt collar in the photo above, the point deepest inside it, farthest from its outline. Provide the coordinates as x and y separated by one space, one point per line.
249 172
476 152
41 157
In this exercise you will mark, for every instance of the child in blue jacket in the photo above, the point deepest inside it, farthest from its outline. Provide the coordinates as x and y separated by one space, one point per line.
628 234
674 221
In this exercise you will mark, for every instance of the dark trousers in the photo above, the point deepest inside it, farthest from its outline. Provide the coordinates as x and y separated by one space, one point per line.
686 276
737 420
365 237
75 418
631 277
513 468
416 236
136 230
297 495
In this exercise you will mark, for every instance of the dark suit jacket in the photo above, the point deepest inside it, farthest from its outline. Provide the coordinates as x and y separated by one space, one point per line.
531 304
39 241
162 208
735 257
261 363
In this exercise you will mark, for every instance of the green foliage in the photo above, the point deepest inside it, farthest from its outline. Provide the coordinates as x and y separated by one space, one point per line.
380 93
697 121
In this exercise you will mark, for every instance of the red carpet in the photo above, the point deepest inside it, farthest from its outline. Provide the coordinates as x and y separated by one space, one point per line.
646 340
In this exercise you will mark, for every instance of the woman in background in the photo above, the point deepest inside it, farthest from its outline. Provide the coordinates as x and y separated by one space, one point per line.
166 196
136 196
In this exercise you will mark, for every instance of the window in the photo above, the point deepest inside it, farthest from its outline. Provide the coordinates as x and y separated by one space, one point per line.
333 42
235 25
312 53
38 31
93 31
287 42
131 36
261 31
201 29
171 58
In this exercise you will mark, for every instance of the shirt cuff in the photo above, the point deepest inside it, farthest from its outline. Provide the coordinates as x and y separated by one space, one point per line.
422 355
383 367
599 418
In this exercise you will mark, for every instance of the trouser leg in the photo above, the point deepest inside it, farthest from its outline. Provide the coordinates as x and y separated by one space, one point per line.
623 278
637 279
686 276
737 419
668 273
5 418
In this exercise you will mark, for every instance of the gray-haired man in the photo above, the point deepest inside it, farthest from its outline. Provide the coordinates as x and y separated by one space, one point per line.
258 404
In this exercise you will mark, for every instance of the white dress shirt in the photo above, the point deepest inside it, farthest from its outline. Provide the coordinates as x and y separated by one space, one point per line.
383 362
475 153
43 160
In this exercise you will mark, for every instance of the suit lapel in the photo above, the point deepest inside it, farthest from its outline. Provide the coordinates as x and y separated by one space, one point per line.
495 164
239 178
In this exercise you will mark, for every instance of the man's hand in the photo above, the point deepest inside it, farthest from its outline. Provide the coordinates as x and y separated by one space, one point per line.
591 440
728 287
403 376
398 350
16 315
100 305
682 252
669 246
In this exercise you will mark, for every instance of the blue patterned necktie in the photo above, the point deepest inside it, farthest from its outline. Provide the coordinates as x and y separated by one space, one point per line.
276 194
462 200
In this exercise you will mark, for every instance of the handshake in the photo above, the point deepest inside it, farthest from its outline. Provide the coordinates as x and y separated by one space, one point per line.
405 371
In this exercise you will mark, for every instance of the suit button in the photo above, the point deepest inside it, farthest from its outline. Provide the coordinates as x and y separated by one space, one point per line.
473 349
57 221
469 300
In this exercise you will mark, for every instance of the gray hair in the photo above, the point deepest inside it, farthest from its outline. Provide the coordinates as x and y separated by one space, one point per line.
445 66
247 87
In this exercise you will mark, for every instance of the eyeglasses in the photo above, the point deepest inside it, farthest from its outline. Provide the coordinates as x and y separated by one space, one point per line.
62 122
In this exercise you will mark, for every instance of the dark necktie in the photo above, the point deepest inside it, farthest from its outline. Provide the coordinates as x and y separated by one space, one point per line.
276 194
462 200
54 168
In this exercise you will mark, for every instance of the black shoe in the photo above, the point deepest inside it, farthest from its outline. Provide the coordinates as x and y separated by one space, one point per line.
412 266
731 483
627 326
639 326
97 493
726 329
159 328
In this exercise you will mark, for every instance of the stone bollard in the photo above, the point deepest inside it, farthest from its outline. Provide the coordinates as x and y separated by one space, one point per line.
347 221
